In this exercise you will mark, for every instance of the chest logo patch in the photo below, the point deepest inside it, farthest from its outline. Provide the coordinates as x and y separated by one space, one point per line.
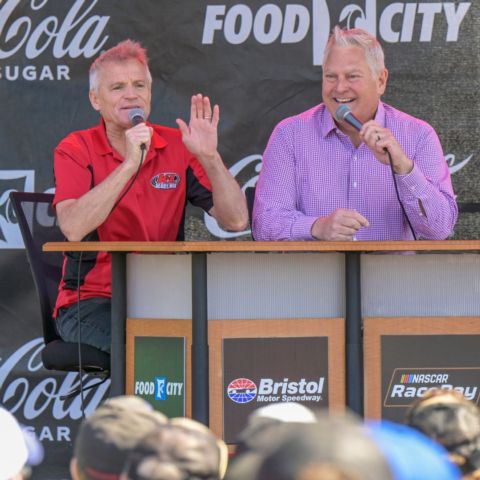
165 180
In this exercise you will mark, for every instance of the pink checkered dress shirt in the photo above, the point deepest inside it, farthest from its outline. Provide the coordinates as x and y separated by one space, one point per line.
310 168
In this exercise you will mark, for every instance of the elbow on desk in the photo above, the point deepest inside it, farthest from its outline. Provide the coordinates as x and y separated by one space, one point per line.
73 234
236 225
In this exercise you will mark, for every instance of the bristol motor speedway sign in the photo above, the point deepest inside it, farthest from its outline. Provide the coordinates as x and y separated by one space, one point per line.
262 371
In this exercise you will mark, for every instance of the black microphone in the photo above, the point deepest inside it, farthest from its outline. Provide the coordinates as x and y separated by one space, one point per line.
344 112
136 116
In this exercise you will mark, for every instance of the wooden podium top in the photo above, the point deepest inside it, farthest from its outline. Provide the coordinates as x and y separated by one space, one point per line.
253 246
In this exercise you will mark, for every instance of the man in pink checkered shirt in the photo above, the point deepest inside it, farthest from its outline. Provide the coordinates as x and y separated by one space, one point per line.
322 179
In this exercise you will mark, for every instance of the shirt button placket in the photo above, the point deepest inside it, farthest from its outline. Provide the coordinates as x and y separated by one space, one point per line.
355 175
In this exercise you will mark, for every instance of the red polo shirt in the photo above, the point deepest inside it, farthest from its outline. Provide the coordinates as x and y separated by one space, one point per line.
152 210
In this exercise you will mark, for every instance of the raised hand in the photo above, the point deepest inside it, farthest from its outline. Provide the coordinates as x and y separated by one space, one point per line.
200 135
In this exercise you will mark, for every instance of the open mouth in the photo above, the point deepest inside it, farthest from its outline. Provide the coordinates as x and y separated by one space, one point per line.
344 100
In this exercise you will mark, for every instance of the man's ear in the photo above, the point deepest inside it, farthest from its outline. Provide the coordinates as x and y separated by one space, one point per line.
74 473
382 81
94 100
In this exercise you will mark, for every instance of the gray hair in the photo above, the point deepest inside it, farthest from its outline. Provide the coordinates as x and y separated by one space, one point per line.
356 37
122 52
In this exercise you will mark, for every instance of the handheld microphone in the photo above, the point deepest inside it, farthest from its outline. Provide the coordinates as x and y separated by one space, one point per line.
344 112
136 116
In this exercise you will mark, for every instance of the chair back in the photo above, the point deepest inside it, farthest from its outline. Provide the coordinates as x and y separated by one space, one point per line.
250 196
38 225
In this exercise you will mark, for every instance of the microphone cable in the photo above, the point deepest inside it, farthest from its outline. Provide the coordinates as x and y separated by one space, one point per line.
390 162
87 239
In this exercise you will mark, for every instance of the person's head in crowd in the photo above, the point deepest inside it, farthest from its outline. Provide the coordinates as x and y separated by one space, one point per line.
453 421
410 454
334 448
182 449
107 436
284 412
19 448
110 75
265 427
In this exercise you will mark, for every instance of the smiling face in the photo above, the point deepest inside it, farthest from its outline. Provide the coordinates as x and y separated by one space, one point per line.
348 79
121 86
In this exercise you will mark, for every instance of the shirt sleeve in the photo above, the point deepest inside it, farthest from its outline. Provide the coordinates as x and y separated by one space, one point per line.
73 176
199 188
427 192
275 213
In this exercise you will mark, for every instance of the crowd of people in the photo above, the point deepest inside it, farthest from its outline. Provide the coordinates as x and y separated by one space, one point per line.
126 439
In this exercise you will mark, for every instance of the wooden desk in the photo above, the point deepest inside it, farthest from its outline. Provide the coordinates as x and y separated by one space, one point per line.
351 251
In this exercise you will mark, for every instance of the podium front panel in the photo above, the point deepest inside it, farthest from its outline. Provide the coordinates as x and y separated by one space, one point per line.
256 363
240 285
158 363
159 286
420 284
276 285
407 356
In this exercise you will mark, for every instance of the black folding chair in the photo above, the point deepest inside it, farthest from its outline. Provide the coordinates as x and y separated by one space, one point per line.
250 196
38 225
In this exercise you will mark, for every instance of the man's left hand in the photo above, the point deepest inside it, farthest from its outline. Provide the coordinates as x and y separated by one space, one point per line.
380 140
200 135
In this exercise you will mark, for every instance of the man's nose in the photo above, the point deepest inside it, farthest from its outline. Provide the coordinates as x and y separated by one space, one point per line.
342 84
130 91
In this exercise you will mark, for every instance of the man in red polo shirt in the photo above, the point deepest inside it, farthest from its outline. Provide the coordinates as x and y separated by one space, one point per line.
118 182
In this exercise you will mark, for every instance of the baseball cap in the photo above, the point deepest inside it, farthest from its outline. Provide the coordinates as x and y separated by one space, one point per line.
285 412
452 421
266 426
411 454
333 445
107 436
18 447
182 449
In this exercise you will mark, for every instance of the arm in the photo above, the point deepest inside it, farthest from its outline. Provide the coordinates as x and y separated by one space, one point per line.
200 138
77 217
422 176
277 215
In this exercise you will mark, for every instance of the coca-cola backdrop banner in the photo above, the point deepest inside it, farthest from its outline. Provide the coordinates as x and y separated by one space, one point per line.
261 61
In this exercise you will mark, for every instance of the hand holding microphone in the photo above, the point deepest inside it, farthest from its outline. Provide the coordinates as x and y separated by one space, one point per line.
137 139
379 140
137 117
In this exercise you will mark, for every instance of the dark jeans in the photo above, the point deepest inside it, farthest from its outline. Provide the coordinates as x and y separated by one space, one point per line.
94 321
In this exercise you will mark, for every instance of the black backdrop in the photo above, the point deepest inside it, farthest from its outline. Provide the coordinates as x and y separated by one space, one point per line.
260 61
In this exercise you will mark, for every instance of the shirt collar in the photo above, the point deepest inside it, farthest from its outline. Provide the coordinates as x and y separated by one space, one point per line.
380 115
327 124
103 147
